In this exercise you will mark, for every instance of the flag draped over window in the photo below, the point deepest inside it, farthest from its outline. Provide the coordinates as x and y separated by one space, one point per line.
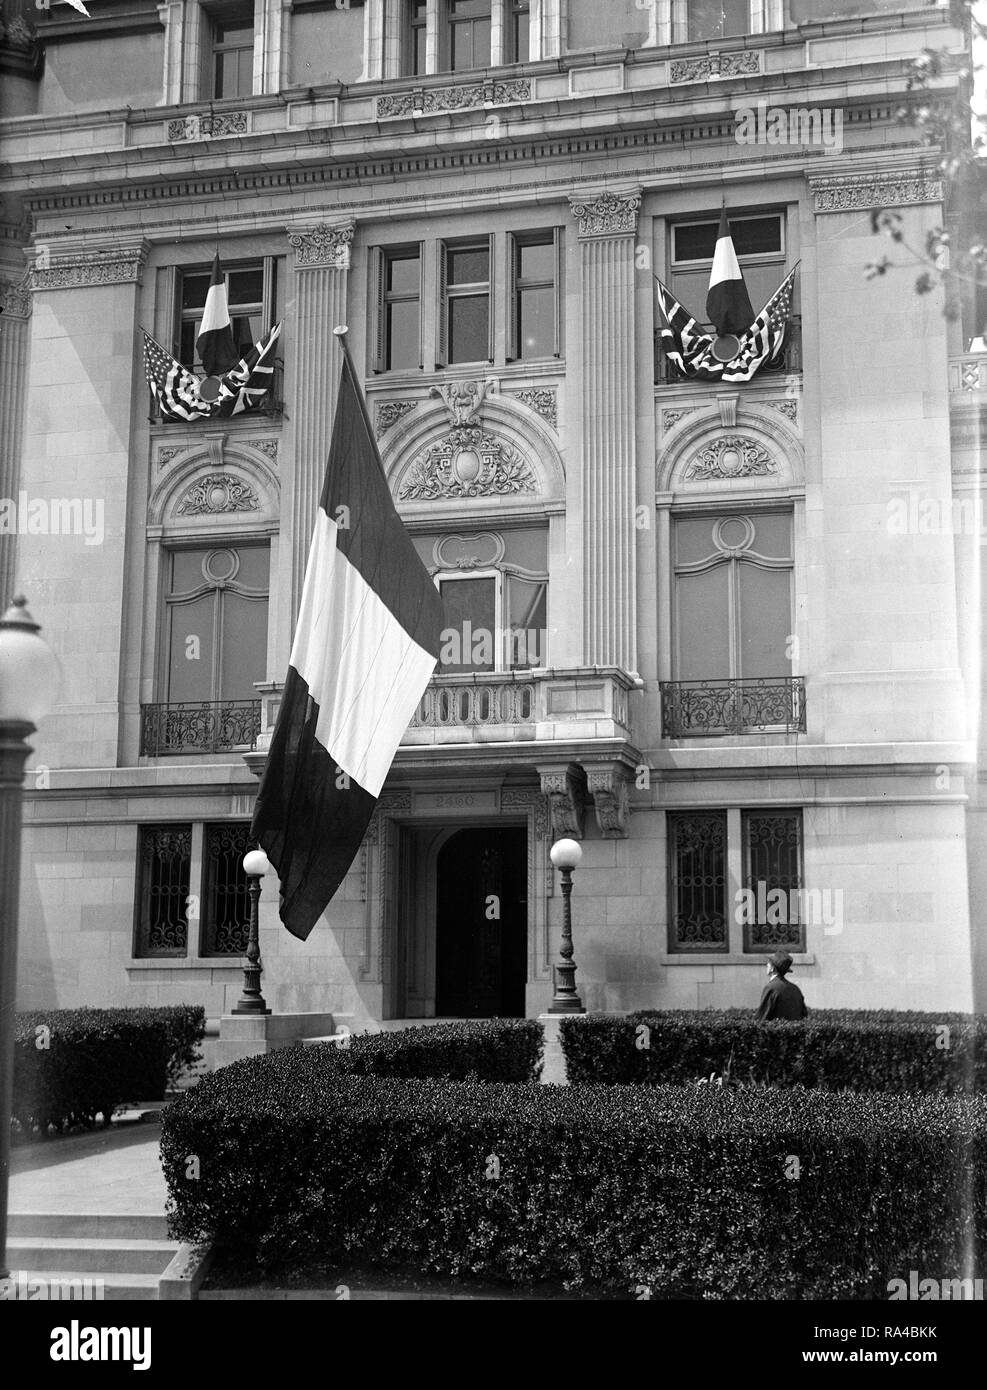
243 387
690 348
215 344
365 647
728 305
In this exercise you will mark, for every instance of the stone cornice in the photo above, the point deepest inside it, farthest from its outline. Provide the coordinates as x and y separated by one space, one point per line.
326 245
610 212
892 188
77 269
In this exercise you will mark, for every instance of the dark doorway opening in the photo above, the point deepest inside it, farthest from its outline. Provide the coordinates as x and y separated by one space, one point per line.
482 923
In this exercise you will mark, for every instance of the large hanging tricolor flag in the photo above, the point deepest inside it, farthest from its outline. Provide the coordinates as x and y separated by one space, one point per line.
728 305
690 349
365 647
176 389
214 343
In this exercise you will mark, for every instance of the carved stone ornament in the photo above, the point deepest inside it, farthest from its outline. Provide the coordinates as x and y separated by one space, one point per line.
218 492
523 799
608 788
852 192
265 446
731 457
90 268
426 100
467 463
208 126
388 413
542 400
669 418
15 299
323 245
167 452
790 409
742 64
565 788
463 400
605 214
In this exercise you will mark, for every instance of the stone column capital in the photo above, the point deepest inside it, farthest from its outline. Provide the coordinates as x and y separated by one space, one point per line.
75 265
607 212
565 787
15 298
326 245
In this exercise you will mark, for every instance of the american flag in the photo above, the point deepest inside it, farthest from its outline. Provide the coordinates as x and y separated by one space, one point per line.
690 348
176 390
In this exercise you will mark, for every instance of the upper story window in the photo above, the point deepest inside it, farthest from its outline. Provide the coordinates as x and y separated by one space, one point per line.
436 36
494 622
232 47
535 328
416 39
398 273
465 321
519 31
251 291
718 19
759 241
467 35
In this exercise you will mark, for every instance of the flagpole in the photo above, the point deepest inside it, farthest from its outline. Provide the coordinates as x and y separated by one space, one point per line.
341 331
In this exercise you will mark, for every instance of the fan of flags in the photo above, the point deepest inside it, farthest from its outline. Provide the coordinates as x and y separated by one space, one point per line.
231 385
742 343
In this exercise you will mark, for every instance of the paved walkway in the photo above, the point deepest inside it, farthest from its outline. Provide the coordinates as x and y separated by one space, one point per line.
105 1171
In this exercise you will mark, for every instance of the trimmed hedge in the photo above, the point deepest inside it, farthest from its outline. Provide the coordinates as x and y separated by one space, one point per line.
687 1191
830 1050
495 1049
72 1064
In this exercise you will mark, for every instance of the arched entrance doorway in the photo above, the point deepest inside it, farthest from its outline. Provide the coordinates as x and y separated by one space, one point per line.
481 923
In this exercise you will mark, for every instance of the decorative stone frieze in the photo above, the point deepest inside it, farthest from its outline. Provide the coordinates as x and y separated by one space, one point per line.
743 64
325 245
216 493
528 799
463 401
606 214
84 269
388 413
467 462
733 456
209 126
852 192
543 400
426 100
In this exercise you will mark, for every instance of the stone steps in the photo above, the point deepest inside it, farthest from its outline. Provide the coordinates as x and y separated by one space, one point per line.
89 1255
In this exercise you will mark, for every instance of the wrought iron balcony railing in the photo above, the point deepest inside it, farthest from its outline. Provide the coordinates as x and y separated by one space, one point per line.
763 704
210 727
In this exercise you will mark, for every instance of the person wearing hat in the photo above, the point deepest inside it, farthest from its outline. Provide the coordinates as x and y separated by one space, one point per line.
780 999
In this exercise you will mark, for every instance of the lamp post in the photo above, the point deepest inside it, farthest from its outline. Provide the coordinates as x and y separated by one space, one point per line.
251 1001
29 679
566 855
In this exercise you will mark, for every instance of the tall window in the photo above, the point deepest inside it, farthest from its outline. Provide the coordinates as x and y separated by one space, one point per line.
399 293
226 896
759 241
215 638
536 324
733 595
467 35
233 54
772 843
192 876
493 622
718 19
164 856
697 881
465 321
251 292
518 31
417 19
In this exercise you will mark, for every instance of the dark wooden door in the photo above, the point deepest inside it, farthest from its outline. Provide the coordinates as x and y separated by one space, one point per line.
482 924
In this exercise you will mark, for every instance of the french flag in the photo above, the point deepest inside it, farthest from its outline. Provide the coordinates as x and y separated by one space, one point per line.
366 644
215 344
728 305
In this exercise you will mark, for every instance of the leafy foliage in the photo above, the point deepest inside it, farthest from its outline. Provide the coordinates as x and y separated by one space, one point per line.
833 1049
72 1064
681 1190
495 1049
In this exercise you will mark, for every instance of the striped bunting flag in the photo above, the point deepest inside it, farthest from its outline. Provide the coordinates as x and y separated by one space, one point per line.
176 390
365 647
690 349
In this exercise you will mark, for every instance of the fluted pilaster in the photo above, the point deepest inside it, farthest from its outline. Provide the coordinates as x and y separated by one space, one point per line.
15 300
607 227
322 259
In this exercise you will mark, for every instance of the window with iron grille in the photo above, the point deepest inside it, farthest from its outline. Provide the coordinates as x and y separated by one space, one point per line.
772 846
697 852
226 895
164 861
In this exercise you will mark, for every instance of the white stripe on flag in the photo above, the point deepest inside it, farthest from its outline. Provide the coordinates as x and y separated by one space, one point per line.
216 314
361 667
725 263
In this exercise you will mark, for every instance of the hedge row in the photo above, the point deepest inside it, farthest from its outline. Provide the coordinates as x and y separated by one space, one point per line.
496 1049
72 1064
685 1191
831 1050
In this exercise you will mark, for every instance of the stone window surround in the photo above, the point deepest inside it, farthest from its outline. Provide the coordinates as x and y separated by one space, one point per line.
186 34
385 36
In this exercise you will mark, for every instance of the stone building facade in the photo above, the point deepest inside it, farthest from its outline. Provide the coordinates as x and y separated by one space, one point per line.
727 637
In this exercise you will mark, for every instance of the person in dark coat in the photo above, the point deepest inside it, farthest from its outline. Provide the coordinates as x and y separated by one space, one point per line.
781 999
